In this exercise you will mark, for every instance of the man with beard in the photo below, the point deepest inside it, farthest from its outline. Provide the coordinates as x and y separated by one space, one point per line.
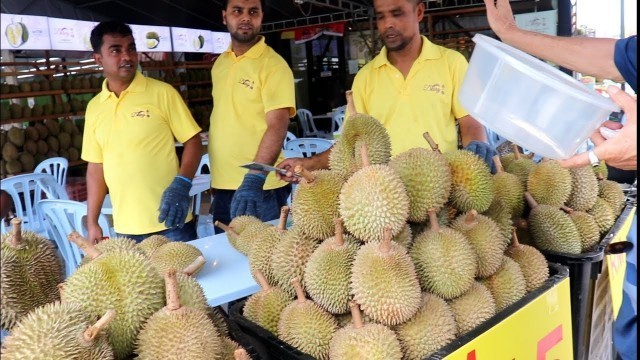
411 87
253 93
129 145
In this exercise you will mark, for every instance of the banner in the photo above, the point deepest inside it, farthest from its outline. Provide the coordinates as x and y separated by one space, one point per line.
24 32
307 33
221 41
150 38
191 40
69 34
545 22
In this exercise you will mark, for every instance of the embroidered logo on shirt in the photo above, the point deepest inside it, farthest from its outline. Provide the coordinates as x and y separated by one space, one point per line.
436 88
247 83
140 114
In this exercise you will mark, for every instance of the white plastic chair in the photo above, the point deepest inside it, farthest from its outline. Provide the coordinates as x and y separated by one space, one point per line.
56 166
197 198
289 137
64 217
336 124
26 191
308 126
308 146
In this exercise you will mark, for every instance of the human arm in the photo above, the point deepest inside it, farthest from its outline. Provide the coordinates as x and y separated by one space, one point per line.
591 56
248 197
474 139
96 192
191 155
620 151
315 162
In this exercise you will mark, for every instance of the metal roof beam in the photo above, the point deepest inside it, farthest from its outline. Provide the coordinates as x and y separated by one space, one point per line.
344 5
312 20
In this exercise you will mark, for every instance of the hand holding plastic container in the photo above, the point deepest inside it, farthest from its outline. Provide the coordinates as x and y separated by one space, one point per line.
530 102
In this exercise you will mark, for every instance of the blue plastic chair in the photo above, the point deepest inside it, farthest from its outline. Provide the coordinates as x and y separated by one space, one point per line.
308 146
64 217
56 166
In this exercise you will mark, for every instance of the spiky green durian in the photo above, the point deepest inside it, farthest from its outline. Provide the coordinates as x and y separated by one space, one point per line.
587 228
552 229
472 182
611 192
473 308
290 257
264 245
540 179
175 254
264 307
509 189
584 189
604 215
152 243
507 285
114 244
531 261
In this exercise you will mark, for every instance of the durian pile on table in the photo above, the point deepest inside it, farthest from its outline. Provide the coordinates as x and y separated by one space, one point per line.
396 257
387 258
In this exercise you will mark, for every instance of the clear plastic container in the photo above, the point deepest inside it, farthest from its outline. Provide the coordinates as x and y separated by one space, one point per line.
530 102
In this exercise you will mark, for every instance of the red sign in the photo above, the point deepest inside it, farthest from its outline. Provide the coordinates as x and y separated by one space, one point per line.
307 33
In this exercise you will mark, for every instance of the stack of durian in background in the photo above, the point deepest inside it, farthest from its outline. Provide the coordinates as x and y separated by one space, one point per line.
428 245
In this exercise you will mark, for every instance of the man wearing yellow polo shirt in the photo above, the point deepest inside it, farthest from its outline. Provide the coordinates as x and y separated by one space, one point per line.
412 87
129 145
253 93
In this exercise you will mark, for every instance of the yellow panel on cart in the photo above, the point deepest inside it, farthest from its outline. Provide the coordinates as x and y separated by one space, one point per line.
540 330
618 264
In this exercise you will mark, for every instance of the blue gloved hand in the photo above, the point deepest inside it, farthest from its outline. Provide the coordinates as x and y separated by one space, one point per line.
248 198
175 202
484 151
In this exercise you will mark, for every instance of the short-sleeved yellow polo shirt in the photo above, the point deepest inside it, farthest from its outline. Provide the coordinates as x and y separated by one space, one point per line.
132 136
427 100
245 88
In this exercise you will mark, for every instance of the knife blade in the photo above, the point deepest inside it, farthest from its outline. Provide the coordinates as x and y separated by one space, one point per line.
264 167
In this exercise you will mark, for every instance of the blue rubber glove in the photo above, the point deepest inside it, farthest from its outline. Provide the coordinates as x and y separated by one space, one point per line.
484 151
175 202
248 198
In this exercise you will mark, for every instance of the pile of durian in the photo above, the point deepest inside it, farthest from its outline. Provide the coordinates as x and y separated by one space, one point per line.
114 306
392 258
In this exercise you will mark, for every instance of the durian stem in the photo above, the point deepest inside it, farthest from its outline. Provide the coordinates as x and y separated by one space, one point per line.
225 227
306 174
93 330
498 163
521 224
351 107
365 155
471 217
299 290
599 176
16 239
262 281
194 266
241 354
385 244
531 155
431 142
514 236
83 244
284 213
356 315
433 220
530 200
171 284
339 232
516 151
566 209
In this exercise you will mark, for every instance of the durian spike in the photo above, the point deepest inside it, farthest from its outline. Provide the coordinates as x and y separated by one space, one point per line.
16 239
433 220
241 354
86 246
530 200
431 142
566 209
171 284
498 163
93 330
306 174
356 315
471 217
351 107
61 290
514 238
339 232
262 281
299 290
516 151
365 155
385 244
225 227
196 265
284 213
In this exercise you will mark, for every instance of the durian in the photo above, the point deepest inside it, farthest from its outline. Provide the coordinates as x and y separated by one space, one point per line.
263 246
264 307
584 189
532 263
473 308
509 189
507 285
552 229
472 182
540 179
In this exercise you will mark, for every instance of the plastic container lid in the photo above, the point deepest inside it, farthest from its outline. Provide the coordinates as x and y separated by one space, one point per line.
530 102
